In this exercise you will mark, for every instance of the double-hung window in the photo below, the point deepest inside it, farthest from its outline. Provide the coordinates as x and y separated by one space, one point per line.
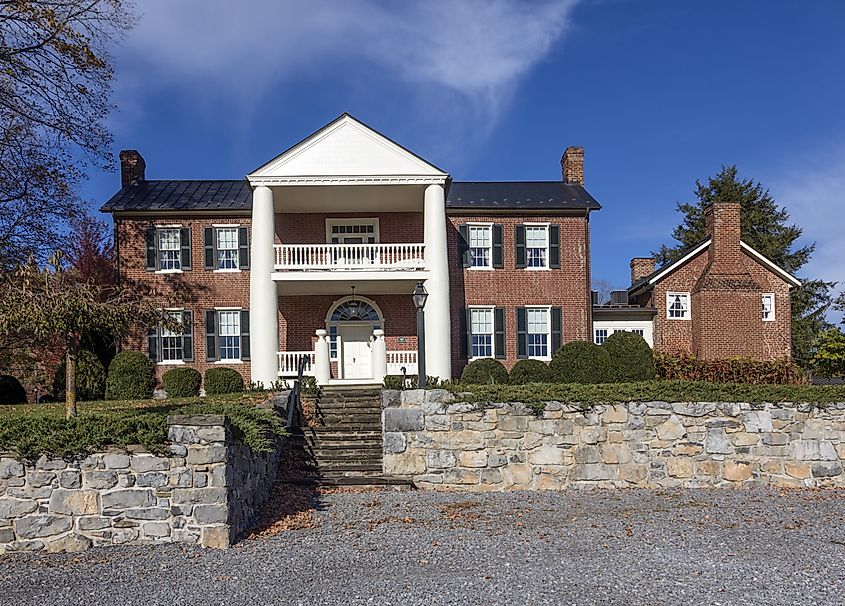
168 248
769 307
537 246
227 335
600 336
172 345
226 248
538 332
480 246
481 327
677 306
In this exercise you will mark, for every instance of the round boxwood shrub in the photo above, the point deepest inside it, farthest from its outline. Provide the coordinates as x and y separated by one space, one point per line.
11 390
90 378
631 359
223 380
484 371
580 362
530 371
131 377
182 382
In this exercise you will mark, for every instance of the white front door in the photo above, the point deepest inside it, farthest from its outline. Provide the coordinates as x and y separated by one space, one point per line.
357 358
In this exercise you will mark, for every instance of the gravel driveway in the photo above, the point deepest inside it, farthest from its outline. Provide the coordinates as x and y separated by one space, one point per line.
402 547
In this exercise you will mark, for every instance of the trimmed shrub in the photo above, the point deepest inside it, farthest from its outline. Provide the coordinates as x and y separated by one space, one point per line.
182 382
90 378
631 359
131 377
732 370
484 371
580 362
11 390
530 371
222 380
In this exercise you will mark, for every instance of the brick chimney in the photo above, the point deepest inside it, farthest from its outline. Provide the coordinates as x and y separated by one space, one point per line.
722 224
641 267
572 165
132 168
726 317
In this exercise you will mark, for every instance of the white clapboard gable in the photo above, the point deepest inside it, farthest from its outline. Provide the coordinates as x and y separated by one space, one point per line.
346 148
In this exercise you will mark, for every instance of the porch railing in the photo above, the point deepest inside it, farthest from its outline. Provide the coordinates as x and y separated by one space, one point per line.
360 257
289 363
397 359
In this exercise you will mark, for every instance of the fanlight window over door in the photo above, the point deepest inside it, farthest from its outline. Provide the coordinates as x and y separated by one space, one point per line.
354 311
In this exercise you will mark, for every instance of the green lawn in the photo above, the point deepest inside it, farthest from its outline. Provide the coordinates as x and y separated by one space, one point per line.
30 430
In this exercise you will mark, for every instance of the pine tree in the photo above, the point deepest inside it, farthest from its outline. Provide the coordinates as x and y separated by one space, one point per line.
767 229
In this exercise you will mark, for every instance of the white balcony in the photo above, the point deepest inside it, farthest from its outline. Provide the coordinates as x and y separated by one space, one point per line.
350 257
396 360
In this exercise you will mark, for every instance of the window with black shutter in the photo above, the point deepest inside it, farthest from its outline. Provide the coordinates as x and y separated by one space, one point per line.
554 246
499 333
519 241
498 247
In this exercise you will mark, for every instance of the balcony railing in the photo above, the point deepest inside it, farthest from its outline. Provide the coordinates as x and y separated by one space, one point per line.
288 361
398 359
358 257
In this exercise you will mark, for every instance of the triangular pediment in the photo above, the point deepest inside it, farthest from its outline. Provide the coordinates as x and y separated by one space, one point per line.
346 148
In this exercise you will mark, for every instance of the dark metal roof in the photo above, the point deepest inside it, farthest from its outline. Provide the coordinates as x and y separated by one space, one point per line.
520 195
182 195
228 195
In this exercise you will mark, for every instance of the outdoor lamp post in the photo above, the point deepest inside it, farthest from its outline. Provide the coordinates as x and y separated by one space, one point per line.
420 295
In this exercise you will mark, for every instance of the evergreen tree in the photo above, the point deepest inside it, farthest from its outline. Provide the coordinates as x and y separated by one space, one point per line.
767 229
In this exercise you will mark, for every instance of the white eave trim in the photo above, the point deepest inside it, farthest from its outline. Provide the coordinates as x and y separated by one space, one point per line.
669 269
787 277
256 181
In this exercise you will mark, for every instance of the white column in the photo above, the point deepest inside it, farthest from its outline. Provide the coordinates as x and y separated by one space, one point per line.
322 363
379 351
263 296
438 327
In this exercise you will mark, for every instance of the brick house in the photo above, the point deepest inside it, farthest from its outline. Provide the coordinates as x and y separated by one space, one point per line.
722 299
316 254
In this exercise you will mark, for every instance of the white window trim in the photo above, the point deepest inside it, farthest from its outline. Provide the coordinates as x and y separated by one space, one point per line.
548 309
362 221
492 309
225 225
240 329
173 226
216 226
168 271
171 363
490 248
669 295
595 336
548 246
226 271
773 315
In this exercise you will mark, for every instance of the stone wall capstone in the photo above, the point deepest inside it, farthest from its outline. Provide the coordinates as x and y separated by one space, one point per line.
206 491
442 444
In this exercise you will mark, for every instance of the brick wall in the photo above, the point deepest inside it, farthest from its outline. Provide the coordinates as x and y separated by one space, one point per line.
198 288
509 287
301 228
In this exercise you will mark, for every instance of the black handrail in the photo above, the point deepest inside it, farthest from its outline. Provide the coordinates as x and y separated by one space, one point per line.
295 395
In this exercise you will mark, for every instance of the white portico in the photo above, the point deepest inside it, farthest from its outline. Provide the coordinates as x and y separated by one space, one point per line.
350 176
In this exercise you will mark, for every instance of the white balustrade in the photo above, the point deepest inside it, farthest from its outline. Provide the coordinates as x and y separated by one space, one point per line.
289 363
360 257
397 359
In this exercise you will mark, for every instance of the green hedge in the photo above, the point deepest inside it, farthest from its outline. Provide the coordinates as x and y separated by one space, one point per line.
631 359
182 382
485 370
530 371
131 377
731 370
90 378
222 380
11 390
580 362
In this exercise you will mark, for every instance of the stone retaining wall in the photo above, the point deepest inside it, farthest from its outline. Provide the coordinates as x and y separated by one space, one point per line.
206 492
452 446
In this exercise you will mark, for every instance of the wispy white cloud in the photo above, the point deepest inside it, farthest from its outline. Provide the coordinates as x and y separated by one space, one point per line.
814 194
472 53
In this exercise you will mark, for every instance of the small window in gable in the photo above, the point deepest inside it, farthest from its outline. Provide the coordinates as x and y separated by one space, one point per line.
769 307
677 306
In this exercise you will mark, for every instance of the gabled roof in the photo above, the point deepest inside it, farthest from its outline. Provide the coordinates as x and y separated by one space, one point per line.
524 195
649 281
345 147
181 195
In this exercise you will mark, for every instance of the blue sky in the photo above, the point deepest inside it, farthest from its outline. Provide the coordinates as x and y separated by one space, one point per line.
658 92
